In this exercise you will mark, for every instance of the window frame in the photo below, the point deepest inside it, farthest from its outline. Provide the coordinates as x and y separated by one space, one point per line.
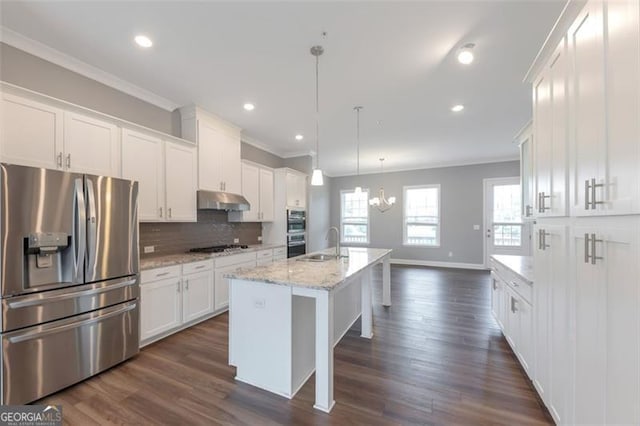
404 215
342 222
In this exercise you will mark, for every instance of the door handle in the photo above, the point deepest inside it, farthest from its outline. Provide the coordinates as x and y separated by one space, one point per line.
541 203
594 257
186 284
79 228
595 185
68 161
92 228
169 210
542 239
59 160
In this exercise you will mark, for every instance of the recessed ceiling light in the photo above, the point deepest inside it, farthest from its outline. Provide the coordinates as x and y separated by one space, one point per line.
299 137
465 54
143 41
249 106
457 108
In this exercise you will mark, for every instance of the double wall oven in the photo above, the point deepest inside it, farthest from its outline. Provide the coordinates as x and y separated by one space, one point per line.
68 278
296 231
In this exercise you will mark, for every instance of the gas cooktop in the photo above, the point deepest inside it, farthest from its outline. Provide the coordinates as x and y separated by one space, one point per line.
219 249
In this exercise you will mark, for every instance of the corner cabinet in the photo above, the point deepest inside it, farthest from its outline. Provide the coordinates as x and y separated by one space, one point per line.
219 147
257 188
167 177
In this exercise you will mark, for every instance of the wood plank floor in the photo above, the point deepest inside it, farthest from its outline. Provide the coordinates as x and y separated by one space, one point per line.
437 357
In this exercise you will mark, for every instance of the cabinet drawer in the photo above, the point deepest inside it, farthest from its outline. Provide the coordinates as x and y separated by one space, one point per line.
160 274
263 254
280 252
234 259
201 266
521 287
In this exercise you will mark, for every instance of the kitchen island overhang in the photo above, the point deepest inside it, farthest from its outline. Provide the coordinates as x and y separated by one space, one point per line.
285 318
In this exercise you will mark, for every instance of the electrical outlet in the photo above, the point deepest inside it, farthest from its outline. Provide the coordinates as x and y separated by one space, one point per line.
149 249
476 227
259 303
450 254
236 240
260 238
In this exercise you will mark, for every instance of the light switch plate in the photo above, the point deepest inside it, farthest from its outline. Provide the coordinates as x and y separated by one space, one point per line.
236 240
476 227
260 238
149 249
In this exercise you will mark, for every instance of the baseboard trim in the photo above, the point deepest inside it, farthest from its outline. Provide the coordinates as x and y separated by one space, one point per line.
438 264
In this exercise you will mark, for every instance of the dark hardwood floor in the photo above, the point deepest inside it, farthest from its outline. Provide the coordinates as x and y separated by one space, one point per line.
437 357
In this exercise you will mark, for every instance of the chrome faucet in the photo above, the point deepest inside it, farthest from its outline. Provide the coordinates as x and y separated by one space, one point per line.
333 228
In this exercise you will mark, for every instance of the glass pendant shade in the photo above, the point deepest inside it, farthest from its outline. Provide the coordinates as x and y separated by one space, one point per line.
316 178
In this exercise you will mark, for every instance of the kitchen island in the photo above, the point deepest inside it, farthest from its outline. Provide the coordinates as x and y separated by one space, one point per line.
285 318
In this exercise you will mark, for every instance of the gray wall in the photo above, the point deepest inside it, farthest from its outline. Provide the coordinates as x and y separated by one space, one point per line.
461 208
257 155
319 213
28 71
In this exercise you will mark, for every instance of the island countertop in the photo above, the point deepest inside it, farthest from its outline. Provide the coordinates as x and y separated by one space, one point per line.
326 275
520 265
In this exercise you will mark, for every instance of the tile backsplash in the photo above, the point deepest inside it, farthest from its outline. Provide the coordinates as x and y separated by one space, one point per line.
212 228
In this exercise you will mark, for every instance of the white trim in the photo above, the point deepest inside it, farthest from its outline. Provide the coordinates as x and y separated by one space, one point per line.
438 264
43 51
436 166
299 153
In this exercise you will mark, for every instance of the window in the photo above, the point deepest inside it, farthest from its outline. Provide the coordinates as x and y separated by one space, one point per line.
422 215
354 216
507 216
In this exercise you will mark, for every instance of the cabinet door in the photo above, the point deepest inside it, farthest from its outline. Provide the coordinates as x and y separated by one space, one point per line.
526 176
197 295
222 284
559 144
30 133
543 133
251 191
587 103
543 258
91 146
180 178
149 173
525 336
209 156
618 168
296 190
266 195
607 322
511 322
231 170
160 307
496 299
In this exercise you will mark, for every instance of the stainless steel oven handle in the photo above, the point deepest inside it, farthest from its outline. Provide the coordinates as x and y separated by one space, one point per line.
79 229
35 334
92 228
39 299
296 244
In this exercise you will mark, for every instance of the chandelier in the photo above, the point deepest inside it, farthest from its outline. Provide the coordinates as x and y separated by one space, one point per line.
381 202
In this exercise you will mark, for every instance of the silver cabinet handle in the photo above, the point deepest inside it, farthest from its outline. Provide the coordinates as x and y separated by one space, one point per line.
170 215
528 210
515 284
595 185
162 274
495 285
200 267
514 304
160 211
586 248
186 284
594 257
586 194
59 160
541 203
178 287
542 239
68 161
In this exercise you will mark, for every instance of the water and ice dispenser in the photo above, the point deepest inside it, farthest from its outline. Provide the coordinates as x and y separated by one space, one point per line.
48 256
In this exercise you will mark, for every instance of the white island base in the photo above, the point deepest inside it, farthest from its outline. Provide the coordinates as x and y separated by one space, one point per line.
280 333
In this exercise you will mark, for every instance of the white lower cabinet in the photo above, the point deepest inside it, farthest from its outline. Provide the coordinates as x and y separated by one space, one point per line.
607 320
225 265
173 297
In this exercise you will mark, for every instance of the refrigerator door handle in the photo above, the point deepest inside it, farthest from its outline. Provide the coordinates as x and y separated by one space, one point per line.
79 229
92 230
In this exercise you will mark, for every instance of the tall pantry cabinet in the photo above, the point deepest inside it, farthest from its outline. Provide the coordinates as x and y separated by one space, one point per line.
586 103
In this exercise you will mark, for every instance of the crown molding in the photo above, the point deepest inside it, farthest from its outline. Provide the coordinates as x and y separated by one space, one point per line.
301 153
260 145
437 166
42 51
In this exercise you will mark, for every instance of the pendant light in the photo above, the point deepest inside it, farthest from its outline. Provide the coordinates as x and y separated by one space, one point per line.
381 202
358 189
316 177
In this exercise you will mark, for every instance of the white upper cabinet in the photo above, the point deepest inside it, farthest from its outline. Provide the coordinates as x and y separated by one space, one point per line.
30 133
257 188
181 177
296 184
550 149
91 145
149 173
218 150
604 100
525 142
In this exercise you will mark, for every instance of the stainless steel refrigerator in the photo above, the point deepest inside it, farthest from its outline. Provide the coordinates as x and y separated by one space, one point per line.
69 278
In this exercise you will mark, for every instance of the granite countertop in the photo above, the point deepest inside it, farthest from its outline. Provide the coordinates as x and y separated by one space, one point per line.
160 261
326 275
520 265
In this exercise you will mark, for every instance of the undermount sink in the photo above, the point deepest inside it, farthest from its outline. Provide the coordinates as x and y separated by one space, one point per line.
320 257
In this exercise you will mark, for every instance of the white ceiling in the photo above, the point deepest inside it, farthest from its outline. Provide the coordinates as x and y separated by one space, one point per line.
395 58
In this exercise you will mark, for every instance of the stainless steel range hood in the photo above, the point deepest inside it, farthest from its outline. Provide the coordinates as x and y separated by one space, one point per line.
214 200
